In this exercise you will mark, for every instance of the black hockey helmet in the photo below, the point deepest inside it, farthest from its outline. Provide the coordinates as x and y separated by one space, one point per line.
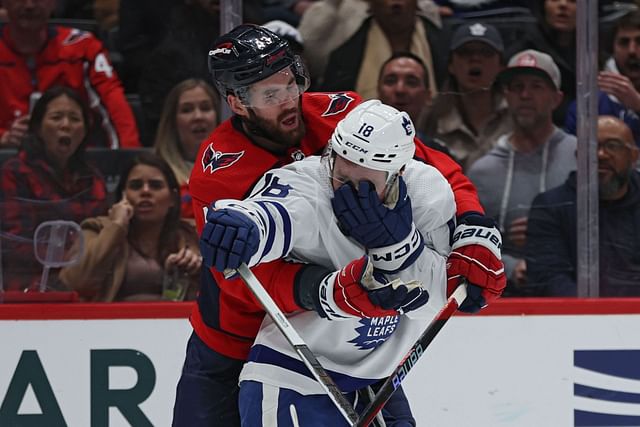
250 53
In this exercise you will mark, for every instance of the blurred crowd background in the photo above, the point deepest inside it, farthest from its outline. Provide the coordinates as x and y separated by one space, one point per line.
104 105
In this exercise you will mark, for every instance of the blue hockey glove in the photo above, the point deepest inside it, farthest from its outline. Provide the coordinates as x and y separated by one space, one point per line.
364 217
388 233
400 296
228 239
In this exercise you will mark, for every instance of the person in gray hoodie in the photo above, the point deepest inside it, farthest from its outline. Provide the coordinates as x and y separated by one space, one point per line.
534 157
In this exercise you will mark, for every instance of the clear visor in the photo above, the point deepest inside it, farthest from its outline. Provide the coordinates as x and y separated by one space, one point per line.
283 87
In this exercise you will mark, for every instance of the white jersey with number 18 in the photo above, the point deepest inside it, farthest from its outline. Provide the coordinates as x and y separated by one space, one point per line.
292 209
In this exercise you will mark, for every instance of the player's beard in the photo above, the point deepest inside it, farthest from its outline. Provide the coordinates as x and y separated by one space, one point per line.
272 131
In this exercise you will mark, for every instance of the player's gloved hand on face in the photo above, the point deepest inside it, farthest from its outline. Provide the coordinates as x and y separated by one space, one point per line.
228 239
386 231
358 291
476 257
363 216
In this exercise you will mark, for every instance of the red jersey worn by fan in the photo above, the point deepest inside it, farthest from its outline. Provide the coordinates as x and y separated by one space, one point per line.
72 58
227 316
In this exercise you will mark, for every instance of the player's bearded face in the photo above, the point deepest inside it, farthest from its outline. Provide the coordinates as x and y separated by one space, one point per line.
273 108
282 124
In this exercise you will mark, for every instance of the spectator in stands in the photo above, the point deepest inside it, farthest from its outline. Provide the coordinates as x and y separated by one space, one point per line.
470 112
619 82
128 252
534 157
189 115
394 26
329 23
403 83
551 237
47 180
35 56
182 55
555 35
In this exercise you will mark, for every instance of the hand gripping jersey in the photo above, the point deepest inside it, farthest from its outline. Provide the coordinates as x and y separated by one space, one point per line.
72 58
292 209
227 316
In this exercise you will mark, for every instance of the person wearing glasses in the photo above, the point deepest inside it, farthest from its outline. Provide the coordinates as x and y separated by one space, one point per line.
534 157
551 241
128 251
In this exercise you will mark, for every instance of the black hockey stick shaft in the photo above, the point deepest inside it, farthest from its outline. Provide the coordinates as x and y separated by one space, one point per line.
417 350
298 344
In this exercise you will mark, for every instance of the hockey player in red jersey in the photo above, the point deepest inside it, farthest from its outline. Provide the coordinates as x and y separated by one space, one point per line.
275 123
35 56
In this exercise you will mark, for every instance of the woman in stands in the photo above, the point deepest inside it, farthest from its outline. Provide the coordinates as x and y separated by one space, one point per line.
128 252
48 179
188 117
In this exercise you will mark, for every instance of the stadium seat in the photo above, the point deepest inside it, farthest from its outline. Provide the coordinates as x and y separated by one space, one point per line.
110 163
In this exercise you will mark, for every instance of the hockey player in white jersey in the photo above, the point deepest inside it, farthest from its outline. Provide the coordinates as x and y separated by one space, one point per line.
380 222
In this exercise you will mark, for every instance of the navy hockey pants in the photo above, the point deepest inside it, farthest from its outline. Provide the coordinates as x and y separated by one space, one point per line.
266 405
207 393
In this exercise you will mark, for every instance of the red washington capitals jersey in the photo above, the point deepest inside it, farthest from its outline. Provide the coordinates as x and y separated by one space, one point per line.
72 58
228 165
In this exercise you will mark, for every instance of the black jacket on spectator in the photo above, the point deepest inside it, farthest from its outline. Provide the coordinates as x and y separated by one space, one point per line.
142 26
552 241
183 54
344 62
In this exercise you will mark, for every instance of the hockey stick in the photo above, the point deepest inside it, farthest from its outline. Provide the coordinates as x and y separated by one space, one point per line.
393 381
307 357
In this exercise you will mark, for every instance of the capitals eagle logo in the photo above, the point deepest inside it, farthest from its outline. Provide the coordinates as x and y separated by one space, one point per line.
214 160
339 103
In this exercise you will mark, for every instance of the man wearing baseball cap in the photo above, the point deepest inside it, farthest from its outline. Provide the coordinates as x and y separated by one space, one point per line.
532 62
535 157
471 113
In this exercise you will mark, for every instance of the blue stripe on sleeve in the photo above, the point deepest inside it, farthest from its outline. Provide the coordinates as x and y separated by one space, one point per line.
271 229
286 221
